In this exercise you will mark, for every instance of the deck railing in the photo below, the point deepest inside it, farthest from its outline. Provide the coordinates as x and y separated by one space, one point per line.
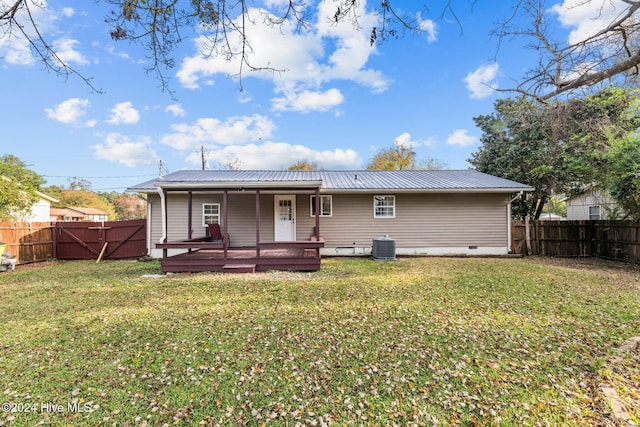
197 244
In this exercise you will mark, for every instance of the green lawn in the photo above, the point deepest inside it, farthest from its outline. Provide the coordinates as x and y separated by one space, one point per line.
418 341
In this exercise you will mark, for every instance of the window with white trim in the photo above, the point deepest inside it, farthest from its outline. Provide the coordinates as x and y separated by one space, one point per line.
595 213
384 206
326 208
210 213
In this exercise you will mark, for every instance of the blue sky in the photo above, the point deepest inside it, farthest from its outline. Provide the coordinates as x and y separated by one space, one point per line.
339 101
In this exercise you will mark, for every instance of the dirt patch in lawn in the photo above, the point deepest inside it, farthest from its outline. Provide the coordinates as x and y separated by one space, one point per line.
621 383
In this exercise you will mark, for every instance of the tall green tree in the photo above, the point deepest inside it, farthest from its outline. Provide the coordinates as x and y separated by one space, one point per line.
623 174
18 187
558 147
514 147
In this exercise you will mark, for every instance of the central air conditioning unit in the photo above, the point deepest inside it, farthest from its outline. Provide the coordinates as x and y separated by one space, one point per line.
383 249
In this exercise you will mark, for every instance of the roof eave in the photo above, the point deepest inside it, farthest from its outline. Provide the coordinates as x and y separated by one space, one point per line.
186 185
425 190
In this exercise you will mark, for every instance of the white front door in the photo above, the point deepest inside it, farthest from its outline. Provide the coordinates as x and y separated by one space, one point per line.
285 218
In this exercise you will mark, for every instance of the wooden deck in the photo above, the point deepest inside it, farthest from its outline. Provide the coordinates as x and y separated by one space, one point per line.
295 256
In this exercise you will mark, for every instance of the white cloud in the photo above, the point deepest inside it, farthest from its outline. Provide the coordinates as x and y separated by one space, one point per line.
306 101
276 155
481 82
118 148
176 110
118 53
405 140
234 130
124 113
461 138
65 50
586 18
308 59
68 111
16 48
429 27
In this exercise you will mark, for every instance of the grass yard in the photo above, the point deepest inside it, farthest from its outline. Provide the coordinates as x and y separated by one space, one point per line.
420 341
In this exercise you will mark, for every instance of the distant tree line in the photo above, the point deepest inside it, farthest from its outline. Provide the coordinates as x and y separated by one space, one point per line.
20 187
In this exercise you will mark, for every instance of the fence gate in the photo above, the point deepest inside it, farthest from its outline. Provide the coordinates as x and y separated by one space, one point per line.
112 239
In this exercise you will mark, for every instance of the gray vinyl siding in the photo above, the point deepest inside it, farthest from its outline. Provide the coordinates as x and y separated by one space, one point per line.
156 219
422 220
578 206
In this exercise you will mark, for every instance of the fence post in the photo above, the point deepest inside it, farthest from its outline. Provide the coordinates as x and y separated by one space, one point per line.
527 235
54 239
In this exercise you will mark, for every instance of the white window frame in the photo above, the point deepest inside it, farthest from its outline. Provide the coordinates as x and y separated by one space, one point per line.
591 215
322 212
391 206
213 216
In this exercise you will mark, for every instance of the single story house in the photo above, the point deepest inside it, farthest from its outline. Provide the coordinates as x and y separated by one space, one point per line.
594 203
78 214
287 219
92 214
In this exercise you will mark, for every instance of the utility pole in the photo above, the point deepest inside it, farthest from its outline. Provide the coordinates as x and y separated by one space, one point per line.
204 163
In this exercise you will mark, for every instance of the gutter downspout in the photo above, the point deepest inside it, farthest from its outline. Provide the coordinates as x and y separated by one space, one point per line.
163 210
149 222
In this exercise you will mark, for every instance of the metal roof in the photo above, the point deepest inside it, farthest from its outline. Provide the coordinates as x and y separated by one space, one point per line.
337 181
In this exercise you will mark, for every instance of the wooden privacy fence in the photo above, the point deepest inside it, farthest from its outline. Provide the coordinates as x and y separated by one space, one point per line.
618 240
27 241
40 241
100 240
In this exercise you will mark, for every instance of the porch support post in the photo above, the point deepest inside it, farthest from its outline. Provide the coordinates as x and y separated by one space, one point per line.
317 207
165 219
225 217
258 223
317 219
190 217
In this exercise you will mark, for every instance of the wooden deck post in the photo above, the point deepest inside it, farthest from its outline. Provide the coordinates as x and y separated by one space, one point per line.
190 215
165 214
225 222
317 207
317 220
258 223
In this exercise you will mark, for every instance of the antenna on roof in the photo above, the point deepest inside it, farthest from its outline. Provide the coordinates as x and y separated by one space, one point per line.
162 168
203 157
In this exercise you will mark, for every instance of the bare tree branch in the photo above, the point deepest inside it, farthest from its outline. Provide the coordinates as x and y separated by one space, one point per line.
157 26
11 24
610 53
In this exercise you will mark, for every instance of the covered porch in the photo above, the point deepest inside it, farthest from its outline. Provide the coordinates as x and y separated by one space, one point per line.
283 246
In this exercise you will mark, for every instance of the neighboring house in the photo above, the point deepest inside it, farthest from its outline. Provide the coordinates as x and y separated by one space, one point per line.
92 214
592 204
323 212
78 214
41 210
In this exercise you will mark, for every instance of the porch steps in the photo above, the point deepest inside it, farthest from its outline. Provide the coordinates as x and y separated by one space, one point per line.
239 268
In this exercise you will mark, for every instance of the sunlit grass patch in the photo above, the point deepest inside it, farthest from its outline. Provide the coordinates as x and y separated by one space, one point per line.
417 341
